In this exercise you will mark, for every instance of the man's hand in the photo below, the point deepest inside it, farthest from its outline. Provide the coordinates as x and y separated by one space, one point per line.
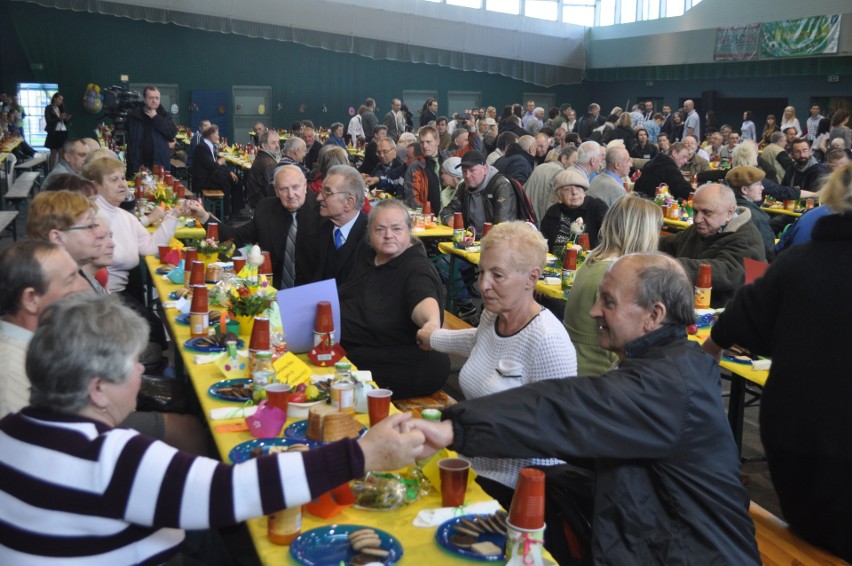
234 177
424 335
438 435
391 444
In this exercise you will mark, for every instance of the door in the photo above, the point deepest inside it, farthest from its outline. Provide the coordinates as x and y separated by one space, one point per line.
210 105
415 99
251 105
460 100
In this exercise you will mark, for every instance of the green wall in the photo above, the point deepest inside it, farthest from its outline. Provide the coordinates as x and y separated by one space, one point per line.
78 48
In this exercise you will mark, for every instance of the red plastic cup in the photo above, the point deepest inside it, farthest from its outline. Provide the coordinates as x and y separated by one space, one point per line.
239 264
454 472
260 334
486 227
278 395
190 256
325 320
378 404
163 251
583 240
458 221
527 510
266 267
213 231
196 276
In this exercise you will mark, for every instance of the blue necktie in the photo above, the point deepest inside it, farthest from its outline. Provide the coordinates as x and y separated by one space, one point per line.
338 238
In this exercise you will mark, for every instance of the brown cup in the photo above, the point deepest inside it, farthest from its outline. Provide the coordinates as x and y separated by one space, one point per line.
189 255
213 231
454 472
486 227
266 267
239 264
378 405
458 221
583 240
260 334
162 252
199 298
527 510
325 321
196 276
278 395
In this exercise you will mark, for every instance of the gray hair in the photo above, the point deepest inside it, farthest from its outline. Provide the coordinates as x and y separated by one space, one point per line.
334 126
331 155
663 279
614 155
528 247
353 182
587 151
399 205
777 137
263 138
292 145
79 338
289 167
744 154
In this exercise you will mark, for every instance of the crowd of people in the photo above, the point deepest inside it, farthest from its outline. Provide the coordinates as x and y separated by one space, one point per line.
645 417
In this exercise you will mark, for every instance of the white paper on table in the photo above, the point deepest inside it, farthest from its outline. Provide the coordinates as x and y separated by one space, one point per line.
183 305
435 517
237 412
202 359
362 375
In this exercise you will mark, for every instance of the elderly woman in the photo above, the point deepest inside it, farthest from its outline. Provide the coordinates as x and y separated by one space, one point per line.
131 238
517 341
392 292
572 204
122 497
632 225
210 172
335 135
747 183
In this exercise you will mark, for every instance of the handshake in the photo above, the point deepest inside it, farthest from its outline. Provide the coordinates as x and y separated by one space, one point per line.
400 439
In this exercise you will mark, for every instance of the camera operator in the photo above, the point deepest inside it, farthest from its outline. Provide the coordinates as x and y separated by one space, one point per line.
149 131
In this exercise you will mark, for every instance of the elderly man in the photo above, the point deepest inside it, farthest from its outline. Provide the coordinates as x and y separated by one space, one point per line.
504 140
149 130
537 121
775 158
342 229
714 145
590 154
422 181
806 173
665 169
371 154
389 174
312 147
369 120
395 120
654 426
71 159
609 186
259 177
727 151
485 195
257 130
194 141
591 120
285 225
293 153
721 235
519 159
696 163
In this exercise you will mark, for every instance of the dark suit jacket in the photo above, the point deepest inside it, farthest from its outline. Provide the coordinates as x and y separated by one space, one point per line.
206 171
268 228
334 263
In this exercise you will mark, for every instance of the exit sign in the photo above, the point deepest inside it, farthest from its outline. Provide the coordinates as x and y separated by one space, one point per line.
834 78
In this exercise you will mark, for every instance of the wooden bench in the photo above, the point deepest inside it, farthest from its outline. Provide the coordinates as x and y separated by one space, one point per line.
7 222
778 545
214 201
39 160
21 188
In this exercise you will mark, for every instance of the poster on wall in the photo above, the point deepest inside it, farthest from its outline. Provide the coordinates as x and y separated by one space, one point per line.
816 35
737 43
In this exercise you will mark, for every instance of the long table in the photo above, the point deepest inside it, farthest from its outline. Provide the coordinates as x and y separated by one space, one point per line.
419 545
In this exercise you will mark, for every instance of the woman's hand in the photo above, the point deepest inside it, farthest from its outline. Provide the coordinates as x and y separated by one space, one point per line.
156 216
195 208
424 335
392 444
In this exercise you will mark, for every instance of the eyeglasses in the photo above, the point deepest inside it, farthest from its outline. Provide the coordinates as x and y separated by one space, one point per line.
86 227
328 192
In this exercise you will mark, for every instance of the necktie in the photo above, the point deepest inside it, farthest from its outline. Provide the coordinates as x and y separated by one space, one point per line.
288 277
338 238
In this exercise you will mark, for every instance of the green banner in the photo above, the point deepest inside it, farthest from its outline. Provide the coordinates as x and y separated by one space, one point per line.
816 35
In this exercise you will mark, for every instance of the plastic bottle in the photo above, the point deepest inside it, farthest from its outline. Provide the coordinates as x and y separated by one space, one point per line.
343 388
703 286
284 526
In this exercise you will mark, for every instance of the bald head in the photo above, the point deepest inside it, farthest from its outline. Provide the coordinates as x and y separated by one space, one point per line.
714 207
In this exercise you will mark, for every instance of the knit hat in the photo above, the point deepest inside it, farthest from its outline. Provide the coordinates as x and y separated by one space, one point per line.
570 177
451 167
743 176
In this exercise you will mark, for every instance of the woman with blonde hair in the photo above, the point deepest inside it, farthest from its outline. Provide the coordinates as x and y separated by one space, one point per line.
632 225
789 120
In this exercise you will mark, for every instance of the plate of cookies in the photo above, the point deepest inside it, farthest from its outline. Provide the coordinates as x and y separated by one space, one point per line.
479 537
347 544
262 446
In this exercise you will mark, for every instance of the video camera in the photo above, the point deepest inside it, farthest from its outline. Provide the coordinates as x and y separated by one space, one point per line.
118 101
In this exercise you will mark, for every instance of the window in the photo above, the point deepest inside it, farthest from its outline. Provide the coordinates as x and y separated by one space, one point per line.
33 98
540 9
579 12
628 11
466 3
674 8
607 13
504 6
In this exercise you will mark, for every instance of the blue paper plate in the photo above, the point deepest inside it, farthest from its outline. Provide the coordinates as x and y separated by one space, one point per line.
328 546
298 432
213 390
242 452
448 529
192 344
183 318
163 270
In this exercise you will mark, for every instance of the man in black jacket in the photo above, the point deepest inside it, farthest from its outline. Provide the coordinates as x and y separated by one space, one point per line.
667 484
149 131
590 121
665 169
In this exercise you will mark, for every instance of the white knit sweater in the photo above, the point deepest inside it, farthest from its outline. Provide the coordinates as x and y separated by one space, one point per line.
542 349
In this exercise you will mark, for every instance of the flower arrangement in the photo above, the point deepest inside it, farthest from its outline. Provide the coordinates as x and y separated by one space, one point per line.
242 302
163 195
210 246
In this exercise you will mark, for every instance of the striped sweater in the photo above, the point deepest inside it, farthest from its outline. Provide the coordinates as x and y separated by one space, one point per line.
76 489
